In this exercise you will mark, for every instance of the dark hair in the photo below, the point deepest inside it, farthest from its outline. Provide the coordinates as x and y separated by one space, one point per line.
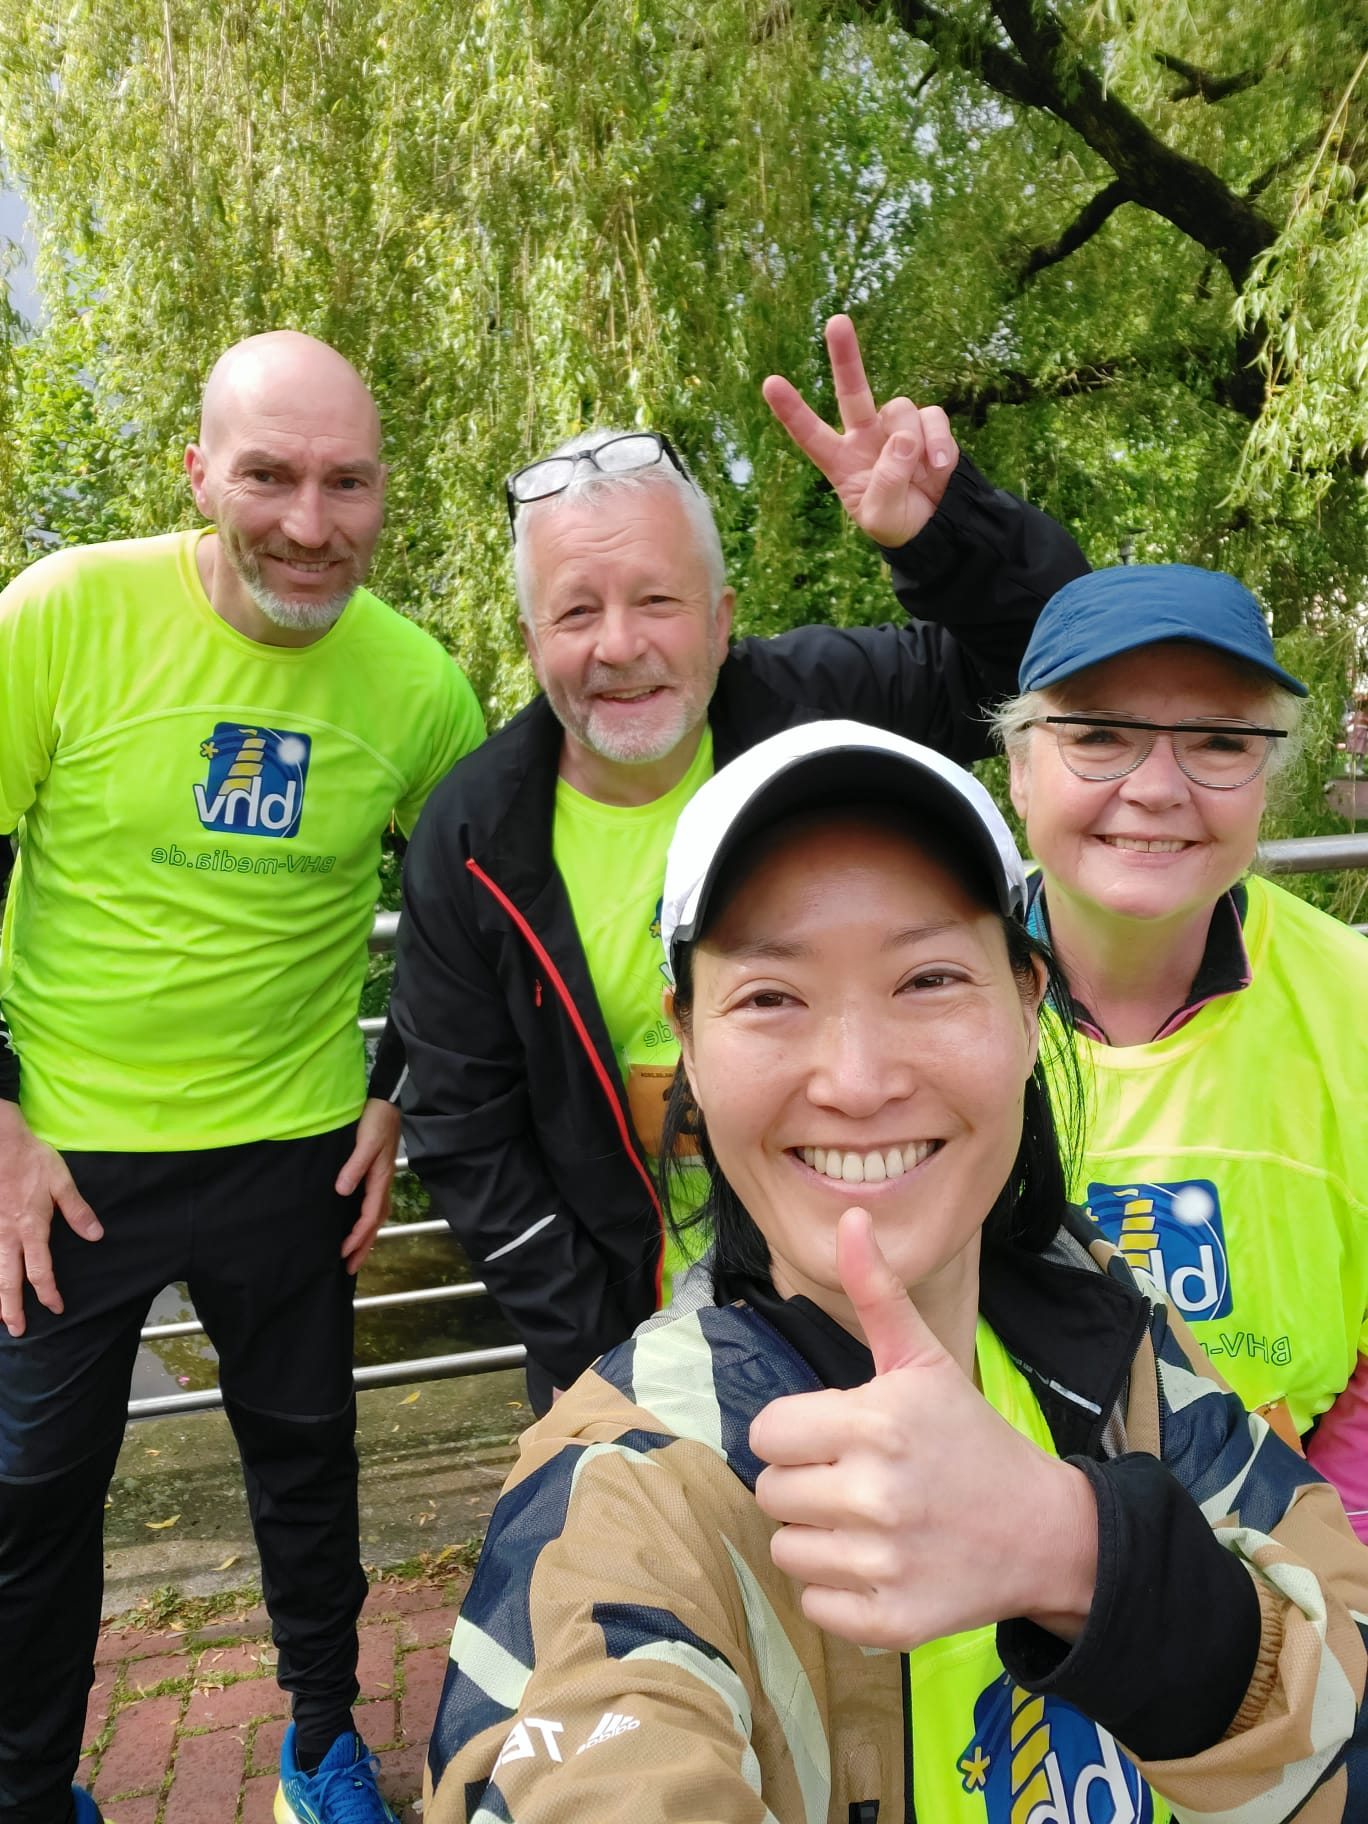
1028 1208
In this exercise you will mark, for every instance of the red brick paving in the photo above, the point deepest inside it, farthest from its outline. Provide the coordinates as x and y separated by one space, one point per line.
233 1706
429 1628
401 1773
424 1670
137 1811
144 1737
258 1800
243 1661
199 1753
142 1674
375 1662
207 1780
97 1704
266 1744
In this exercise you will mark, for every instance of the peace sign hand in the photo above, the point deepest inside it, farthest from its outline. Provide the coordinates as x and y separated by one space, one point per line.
890 465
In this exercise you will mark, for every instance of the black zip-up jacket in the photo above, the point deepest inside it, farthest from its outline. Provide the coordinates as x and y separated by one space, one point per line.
515 1117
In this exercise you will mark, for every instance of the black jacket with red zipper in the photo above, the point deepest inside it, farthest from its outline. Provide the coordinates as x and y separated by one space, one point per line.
514 1109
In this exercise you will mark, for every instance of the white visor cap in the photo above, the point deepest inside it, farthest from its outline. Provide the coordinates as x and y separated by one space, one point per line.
823 763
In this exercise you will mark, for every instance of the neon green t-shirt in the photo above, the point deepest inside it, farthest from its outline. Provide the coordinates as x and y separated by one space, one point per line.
985 1751
612 860
1230 1159
199 819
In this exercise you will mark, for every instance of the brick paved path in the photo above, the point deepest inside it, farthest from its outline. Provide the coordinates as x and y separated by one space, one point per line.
185 1728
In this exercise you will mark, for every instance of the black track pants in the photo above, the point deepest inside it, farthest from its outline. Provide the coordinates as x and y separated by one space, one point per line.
256 1231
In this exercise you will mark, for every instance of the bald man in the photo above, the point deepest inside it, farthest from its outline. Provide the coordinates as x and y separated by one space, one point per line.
206 734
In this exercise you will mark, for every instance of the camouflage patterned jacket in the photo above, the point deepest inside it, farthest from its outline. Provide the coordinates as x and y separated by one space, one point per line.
628 1651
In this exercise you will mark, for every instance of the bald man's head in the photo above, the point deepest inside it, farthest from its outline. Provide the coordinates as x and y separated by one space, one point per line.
285 365
288 468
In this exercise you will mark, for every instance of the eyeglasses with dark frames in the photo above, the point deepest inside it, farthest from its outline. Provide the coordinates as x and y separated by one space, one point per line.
617 456
1217 752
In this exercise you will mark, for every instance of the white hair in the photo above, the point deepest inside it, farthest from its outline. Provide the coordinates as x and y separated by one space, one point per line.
588 483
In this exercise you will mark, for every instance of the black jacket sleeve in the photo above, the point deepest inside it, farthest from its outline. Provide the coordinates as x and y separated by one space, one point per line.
1169 1647
984 566
469 1130
387 1072
972 584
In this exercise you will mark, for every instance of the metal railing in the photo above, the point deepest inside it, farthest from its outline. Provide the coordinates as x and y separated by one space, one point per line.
1306 855
1296 855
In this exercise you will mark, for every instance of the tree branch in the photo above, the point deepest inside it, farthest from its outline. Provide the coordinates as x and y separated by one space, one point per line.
1184 192
1012 387
1046 72
1084 226
928 75
1293 156
1203 85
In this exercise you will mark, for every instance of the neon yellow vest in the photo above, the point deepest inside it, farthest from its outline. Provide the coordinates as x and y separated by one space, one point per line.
984 1751
1230 1160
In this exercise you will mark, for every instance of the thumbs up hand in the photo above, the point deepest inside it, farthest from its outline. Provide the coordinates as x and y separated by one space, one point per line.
908 1508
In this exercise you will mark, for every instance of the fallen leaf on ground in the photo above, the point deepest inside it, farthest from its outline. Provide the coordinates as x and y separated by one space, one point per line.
409 1398
160 1526
230 1561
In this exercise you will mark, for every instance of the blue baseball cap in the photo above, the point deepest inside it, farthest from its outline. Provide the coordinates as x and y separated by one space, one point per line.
1108 612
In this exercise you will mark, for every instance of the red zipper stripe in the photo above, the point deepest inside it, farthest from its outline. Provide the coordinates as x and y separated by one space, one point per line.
543 956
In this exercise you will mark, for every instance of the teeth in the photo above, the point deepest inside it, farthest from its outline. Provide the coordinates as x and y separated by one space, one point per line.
866 1168
1143 847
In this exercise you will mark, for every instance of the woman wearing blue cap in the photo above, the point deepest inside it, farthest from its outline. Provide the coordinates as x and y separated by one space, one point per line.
1223 1022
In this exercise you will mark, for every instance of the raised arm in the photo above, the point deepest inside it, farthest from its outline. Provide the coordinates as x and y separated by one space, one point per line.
972 560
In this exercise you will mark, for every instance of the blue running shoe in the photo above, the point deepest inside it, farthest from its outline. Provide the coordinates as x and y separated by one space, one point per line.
87 1811
342 1791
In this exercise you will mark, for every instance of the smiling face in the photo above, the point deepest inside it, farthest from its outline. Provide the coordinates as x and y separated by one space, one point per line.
288 469
857 1035
1151 845
625 638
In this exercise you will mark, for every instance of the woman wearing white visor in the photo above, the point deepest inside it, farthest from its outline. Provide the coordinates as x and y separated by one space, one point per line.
925 1510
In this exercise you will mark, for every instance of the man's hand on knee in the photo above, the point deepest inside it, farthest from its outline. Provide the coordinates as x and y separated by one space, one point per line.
372 1161
34 1181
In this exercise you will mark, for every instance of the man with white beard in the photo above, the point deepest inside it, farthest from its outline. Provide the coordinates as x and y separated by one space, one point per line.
205 737
528 982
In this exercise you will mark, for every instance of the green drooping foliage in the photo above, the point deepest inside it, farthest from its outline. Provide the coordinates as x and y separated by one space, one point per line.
1127 246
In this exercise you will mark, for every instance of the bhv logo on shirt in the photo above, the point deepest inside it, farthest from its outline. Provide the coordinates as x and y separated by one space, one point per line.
1174 1233
256 780
1037 1760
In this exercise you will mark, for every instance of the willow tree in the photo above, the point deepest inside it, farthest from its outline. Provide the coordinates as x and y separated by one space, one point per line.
1126 245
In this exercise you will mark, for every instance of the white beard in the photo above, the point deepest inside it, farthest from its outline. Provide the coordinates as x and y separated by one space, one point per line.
299 617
